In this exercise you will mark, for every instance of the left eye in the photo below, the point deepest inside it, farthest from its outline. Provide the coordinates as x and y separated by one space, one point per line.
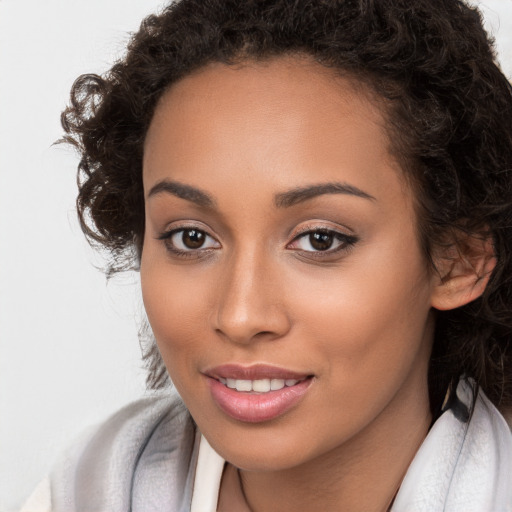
322 241
189 239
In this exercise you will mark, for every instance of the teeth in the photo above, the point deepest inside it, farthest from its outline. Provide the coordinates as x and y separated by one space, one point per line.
259 385
276 384
243 385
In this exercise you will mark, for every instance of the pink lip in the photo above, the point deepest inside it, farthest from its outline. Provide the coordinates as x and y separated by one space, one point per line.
254 372
254 407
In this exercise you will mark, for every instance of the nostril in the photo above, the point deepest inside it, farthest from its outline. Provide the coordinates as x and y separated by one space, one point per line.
245 311
263 334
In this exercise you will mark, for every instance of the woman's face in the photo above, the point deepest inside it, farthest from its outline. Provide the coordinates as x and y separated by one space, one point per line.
281 252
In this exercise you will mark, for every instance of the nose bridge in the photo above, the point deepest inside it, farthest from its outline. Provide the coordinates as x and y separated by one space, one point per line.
249 302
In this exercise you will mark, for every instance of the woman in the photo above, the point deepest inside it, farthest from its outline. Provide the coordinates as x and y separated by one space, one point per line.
317 195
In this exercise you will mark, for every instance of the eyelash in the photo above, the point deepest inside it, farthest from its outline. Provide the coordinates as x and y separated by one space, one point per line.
346 242
190 253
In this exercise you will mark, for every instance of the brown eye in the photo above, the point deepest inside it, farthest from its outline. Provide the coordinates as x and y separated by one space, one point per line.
189 240
193 238
321 241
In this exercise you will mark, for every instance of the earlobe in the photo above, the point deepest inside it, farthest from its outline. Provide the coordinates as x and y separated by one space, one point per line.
464 270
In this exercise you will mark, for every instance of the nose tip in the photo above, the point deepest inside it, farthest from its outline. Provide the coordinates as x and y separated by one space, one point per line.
249 307
246 328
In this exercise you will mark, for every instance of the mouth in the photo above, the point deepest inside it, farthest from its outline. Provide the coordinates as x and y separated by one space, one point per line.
258 393
259 385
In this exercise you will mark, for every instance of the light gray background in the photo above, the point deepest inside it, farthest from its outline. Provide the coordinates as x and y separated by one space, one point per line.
69 352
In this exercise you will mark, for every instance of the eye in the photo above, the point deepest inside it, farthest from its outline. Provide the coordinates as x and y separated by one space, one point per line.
188 240
318 241
322 241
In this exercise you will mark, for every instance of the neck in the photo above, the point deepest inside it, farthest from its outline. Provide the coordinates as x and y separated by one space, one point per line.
363 474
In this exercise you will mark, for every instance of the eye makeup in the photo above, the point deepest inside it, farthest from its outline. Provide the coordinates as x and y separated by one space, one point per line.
313 241
189 242
322 242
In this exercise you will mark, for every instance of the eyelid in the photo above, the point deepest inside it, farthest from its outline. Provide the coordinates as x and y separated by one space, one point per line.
313 226
167 235
186 223
347 240
170 232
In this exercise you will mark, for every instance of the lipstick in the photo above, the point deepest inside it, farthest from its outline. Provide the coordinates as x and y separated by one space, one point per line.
256 393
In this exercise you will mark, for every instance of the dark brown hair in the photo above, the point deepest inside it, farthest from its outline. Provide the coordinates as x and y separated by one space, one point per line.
449 117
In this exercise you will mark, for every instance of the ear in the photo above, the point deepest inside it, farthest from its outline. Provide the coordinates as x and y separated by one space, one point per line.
464 269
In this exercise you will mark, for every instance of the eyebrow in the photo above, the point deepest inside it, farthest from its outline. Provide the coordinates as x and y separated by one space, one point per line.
282 200
187 192
300 194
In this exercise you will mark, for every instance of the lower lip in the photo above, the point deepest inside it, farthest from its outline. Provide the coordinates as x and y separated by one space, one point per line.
257 407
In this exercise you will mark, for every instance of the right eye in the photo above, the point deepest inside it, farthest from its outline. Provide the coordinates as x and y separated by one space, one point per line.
188 240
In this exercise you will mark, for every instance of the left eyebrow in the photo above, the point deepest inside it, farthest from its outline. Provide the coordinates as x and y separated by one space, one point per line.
300 194
187 192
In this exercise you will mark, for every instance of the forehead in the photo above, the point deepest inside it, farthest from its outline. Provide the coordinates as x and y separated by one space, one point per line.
288 116
292 83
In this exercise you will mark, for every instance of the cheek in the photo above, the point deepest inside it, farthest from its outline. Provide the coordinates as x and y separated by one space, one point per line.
369 334
370 316
177 309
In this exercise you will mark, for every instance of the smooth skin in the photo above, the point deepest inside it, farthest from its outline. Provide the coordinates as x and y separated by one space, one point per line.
332 283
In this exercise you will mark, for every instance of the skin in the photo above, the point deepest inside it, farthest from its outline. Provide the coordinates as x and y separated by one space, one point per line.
359 320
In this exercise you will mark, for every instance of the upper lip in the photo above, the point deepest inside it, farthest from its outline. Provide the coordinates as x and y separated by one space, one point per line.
253 372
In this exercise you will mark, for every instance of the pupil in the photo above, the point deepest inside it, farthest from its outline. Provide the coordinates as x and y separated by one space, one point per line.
321 241
193 238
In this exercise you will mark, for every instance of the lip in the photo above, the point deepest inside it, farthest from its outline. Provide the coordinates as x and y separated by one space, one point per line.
253 372
252 407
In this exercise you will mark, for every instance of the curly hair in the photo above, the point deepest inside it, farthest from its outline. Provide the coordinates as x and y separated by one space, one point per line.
449 115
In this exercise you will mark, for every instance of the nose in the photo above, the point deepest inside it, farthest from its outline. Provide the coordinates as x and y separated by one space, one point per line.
250 303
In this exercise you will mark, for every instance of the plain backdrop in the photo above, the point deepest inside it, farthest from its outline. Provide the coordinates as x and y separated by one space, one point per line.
69 351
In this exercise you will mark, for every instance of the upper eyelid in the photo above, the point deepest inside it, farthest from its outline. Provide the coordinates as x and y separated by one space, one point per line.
311 228
303 231
166 238
169 233
348 238
186 225
337 234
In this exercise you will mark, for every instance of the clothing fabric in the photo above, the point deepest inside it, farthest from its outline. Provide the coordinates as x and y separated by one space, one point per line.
149 457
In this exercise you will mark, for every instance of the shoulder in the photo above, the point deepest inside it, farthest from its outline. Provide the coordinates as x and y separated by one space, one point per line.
111 465
465 462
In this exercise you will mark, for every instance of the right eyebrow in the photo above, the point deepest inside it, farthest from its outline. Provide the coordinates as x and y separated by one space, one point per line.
187 192
301 194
